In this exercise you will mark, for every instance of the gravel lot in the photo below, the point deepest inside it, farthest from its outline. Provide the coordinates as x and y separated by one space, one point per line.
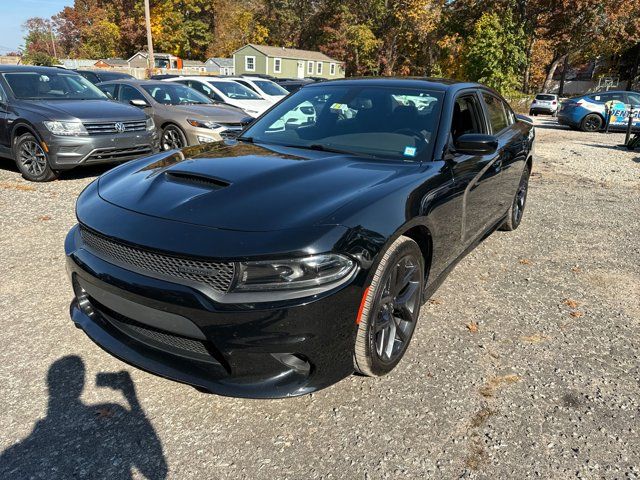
525 363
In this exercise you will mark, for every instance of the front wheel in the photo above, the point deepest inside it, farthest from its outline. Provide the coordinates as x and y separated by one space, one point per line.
390 310
32 160
172 138
514 216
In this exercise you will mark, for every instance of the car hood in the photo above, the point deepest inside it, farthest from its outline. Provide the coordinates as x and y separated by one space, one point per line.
218 113
246 187
253 105
84 110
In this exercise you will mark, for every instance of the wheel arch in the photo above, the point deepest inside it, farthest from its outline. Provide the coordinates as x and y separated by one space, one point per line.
20 128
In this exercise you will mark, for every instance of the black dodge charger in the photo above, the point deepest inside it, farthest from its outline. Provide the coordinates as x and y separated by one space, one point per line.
280 263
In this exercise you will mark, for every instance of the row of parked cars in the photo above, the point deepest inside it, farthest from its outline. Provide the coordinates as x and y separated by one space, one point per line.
589 112
55 119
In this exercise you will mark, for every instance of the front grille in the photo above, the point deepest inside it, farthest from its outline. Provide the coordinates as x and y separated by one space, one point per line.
102 154
100 128
217 275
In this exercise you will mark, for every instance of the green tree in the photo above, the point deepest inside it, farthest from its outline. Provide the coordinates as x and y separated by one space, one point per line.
494 53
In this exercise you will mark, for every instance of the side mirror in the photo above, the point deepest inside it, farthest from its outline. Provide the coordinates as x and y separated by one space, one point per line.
136 102
476 144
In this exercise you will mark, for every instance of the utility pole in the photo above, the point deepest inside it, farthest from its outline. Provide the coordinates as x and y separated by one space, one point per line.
53 41
147 17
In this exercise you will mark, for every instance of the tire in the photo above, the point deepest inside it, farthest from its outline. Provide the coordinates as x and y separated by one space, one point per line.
516 210
391 308
32 160
592 123
172 138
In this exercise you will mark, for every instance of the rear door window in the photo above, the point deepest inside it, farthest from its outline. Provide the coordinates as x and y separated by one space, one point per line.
496 112
109 90
128 93
602 98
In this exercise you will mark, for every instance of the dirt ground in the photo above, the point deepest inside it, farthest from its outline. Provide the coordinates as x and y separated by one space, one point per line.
525 363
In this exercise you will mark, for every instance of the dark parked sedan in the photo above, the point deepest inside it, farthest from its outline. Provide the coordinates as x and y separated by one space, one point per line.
278 264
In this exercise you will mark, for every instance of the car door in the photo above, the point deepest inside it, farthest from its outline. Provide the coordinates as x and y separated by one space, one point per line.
476 177
511 148
5 143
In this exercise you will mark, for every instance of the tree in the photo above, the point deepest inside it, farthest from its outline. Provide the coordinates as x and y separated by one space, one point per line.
40 38
494 54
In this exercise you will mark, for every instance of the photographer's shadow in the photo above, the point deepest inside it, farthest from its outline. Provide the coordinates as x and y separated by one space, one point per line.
76 440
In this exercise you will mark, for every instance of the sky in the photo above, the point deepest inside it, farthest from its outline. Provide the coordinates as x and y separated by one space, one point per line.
16 12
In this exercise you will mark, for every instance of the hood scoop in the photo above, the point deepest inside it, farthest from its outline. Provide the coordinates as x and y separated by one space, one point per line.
197 178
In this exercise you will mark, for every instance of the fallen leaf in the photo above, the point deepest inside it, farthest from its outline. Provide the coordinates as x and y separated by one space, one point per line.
489 388
16 186
576 314
535 338
525 261
435 301
571 303
473 327
576 269
44 218
481 417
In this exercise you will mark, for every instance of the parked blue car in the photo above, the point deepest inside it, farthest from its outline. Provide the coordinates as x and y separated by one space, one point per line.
587 113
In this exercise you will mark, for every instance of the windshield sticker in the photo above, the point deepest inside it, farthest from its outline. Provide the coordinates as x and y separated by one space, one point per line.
410 151
338 108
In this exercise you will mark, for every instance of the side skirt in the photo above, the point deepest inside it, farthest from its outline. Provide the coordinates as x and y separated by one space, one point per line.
432 287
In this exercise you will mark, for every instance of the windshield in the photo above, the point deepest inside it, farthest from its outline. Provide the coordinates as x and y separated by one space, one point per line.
175 94
386 122
235 91
270 88
52 86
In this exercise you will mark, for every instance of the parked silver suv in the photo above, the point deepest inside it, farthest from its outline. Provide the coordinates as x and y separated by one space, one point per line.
53 119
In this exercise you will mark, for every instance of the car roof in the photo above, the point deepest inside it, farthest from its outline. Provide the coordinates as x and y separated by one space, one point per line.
33 69
439 84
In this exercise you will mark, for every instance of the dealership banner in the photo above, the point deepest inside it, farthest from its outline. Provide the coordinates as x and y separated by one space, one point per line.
619 114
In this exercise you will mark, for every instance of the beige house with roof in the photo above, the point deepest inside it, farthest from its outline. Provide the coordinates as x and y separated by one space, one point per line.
284 62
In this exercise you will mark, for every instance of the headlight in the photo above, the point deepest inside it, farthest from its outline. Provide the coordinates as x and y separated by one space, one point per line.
205 139
65 128
302 273
151 125
204 124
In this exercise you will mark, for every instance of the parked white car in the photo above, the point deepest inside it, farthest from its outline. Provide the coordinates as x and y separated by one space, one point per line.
546 103
227 91
265 88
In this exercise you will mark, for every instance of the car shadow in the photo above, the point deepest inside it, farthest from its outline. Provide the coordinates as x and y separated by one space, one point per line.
79 440
550 125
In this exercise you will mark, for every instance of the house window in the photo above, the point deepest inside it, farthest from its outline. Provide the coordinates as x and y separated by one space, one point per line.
277 65
310 67
319 69
332 69
250 64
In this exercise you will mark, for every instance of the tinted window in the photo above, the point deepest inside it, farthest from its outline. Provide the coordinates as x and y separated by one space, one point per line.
52 86
174 94
236 91
634 98
466 117
496 112
110 90
270 88
128 93
393 123
607 97
3 97
92 77
547 98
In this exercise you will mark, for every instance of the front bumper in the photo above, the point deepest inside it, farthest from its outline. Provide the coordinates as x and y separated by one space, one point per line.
175 331
68 152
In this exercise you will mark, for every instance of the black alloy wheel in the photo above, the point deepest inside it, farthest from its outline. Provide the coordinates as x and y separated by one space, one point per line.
391 309
32 160
516 211
172 138
592 123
